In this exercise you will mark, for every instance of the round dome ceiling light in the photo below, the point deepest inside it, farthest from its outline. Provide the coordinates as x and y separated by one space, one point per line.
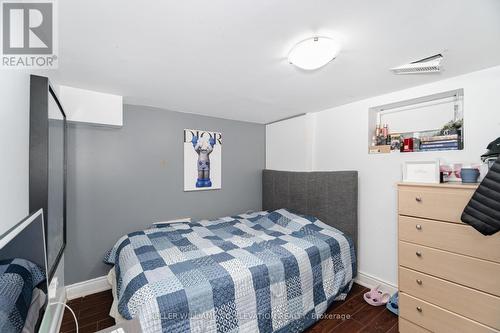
314 53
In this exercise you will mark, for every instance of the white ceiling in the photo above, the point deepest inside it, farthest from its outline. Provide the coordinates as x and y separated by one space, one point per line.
227 58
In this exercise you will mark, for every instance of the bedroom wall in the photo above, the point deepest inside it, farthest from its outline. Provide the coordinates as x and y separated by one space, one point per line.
289 144
340 143
122 179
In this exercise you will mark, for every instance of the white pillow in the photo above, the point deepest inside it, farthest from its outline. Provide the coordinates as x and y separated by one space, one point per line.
182 220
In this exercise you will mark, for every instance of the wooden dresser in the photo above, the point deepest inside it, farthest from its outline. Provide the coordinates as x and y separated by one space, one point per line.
449 273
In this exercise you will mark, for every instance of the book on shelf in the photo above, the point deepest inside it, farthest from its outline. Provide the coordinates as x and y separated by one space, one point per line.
438 148
439 138
438 144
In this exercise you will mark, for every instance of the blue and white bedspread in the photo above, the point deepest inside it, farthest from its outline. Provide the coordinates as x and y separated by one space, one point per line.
18 278
262 272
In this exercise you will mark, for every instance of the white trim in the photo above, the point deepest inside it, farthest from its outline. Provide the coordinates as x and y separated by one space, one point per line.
88 287
370 281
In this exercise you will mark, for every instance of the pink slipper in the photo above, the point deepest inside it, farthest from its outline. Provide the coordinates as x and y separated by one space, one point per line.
375 297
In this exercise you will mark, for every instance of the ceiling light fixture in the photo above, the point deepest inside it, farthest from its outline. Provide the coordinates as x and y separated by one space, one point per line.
314 53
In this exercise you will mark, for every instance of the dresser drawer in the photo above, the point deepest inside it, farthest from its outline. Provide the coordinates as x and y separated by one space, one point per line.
476 273
445 204
406 326
454 237
436 319
476 305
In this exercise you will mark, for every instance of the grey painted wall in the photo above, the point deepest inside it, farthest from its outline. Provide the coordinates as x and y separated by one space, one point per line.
122 180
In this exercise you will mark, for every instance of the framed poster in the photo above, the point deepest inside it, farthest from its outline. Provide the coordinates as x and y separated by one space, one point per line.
202 160
421 172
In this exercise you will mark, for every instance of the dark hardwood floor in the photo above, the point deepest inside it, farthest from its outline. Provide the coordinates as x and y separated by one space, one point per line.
352 315
91 311
363 318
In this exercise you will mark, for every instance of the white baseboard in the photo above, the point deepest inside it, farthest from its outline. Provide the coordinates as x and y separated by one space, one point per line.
84 288
370 281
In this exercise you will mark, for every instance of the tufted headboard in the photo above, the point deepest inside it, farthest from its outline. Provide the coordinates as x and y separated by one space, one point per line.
331 196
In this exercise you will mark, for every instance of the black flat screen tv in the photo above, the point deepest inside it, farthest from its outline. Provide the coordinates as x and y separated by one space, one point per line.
16 259
47 166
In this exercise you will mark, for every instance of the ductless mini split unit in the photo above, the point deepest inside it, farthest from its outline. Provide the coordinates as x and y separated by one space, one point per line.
427 65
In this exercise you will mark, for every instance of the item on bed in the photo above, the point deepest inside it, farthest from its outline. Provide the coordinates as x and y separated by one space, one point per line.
483 210
375 297
18 279
182 220
267 271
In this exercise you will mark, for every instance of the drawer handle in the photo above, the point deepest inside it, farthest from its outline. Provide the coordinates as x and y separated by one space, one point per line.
418 226
418 253
418 199
419 309
419 282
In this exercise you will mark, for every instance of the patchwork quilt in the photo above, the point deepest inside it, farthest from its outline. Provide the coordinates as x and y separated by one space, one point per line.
18 278
263 272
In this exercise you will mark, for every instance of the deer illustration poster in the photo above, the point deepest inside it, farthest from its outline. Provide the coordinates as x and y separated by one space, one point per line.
202 160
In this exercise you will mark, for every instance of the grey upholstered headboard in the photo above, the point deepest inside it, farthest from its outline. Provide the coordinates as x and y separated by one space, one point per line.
330 196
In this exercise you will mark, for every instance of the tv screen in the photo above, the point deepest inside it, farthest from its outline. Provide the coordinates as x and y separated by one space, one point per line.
47 166
23 272
56 210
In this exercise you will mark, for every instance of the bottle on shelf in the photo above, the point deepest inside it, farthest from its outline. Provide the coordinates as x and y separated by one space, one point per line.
385 131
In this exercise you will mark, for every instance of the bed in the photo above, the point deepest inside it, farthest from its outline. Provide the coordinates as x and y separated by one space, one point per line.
272 271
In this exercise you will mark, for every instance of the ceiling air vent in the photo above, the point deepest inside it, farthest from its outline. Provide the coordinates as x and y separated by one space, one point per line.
427 65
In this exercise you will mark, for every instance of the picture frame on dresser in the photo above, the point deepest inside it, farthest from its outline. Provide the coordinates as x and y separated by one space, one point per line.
421 172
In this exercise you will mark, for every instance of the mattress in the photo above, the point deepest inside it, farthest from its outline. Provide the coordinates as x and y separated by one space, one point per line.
113 312
264 272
